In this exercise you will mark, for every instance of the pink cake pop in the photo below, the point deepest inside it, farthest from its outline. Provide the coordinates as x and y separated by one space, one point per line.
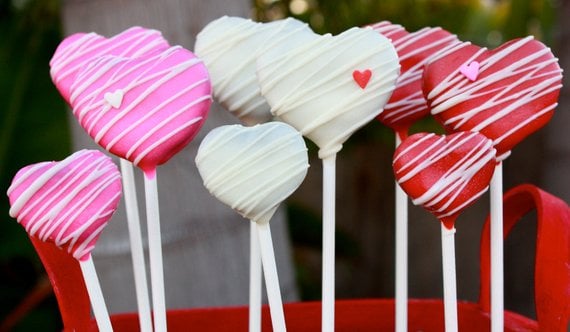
67 202
79 49
144 109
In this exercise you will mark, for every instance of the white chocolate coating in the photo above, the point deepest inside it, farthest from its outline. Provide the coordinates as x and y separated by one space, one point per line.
229 47
253 169
312 87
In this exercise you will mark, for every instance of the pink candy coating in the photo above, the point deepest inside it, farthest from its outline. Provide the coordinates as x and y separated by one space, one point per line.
143 109
67 202
77 50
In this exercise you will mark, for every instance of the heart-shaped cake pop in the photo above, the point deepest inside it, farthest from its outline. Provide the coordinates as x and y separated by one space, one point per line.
313 88
253 169
513 94
67 202
415 50
78 50
229 47
143 109
445 174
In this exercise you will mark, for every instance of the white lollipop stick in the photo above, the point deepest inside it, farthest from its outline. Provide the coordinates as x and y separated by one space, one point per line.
449 282
497 304
95 295
155 251
401 256
135 239
328 287
255 288
271 277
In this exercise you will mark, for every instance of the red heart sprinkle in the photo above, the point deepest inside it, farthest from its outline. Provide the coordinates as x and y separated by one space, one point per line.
362 77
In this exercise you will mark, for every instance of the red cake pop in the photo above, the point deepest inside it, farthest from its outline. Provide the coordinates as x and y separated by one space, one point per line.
407 103
506 93
445 174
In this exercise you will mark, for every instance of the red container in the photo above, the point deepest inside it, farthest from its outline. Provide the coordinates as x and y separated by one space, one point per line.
552 288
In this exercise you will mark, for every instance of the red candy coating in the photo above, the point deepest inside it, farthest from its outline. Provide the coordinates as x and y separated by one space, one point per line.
415 50
514 94
445 174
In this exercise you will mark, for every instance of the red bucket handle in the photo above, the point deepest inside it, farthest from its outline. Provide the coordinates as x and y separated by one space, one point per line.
552 262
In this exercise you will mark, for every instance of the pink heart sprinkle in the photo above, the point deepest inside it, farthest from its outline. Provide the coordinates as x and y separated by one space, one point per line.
471 70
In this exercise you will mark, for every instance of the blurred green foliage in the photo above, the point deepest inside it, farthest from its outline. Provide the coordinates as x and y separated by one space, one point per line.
484 22
33 128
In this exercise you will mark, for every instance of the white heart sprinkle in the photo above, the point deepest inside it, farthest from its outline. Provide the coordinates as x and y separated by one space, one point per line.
114 99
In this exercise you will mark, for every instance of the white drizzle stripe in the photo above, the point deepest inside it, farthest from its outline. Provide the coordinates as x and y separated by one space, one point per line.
71 57
507 99
421 47
253 169
442 198
197 121
51 195
526 122
72 200
65 196
172 117
75 209
38 183
153 111
244 161
443 149
237 162
311 86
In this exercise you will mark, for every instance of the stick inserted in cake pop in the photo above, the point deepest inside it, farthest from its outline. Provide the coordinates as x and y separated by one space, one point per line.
445 175
328 88
253 170
72 55
145 110
229 47
406 106
505 94
69 203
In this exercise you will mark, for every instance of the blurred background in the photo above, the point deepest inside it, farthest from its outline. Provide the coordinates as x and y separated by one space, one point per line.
34 127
